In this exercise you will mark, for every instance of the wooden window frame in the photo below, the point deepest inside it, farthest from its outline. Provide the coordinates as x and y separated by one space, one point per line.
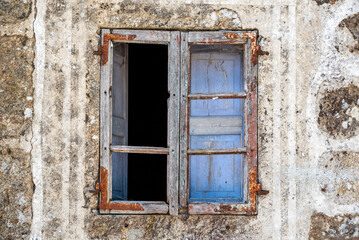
249 42
107 205
178 122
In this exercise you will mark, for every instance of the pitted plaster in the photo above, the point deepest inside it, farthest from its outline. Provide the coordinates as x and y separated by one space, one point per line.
312 53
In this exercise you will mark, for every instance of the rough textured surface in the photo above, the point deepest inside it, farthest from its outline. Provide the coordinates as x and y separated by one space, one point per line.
307 124
16 64
320 2
339 111
16 193
163 227
335 227
290 89
154 15
14 10
338 177
352 23
16 112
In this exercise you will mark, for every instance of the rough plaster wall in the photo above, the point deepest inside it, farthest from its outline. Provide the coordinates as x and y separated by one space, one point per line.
309 168
16 110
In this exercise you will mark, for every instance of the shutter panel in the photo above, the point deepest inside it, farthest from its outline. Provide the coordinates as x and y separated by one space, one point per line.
120 120
216 124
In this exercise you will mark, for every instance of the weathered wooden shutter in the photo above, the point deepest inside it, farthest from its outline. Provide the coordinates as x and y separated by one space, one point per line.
120 120
113 142
216 124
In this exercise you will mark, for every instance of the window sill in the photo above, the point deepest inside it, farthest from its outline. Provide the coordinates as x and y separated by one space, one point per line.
221 208
136 207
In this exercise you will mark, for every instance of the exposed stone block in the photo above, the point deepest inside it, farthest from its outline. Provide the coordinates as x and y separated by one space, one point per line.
16 193
320 2
14 10
16 64
336 227
352 23
339 111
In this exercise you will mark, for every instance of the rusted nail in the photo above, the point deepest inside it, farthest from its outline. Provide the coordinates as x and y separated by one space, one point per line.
97 188
260 52
94 191
263 192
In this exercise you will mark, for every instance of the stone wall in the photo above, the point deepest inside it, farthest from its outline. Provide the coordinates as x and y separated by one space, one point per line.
308 117
16 111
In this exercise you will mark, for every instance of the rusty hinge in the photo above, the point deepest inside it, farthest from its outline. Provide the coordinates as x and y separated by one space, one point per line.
107 37
99 51
97 188
255 47
258 189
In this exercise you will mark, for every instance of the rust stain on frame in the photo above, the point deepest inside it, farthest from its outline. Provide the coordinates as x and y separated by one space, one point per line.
231 36
254 187
103 49
249 208
255 48
252 128
104 204
207 40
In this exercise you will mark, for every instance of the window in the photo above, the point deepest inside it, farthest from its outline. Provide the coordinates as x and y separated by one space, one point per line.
178 122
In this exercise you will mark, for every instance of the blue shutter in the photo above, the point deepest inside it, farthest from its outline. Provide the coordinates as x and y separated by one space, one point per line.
216 124
119 121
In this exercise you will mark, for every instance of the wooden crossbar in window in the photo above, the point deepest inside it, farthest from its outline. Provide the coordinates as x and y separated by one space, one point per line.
135 149
216 151
216 95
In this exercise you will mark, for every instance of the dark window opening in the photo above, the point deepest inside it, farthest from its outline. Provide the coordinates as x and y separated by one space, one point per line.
147 177
147 120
